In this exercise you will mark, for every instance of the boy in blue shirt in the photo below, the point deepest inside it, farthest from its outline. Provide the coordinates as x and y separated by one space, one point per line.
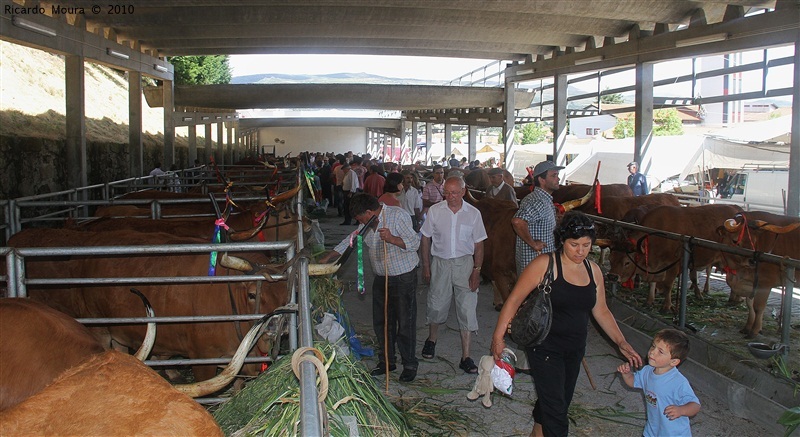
669 398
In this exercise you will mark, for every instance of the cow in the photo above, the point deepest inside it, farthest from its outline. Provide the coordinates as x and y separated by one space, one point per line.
498 261
199 340
37 344
279 224
650 255
762 232
565 193
109 394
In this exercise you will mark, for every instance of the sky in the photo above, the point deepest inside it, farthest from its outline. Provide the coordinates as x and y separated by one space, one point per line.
404 67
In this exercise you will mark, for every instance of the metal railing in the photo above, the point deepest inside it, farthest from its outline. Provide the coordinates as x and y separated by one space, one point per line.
17 283
690 241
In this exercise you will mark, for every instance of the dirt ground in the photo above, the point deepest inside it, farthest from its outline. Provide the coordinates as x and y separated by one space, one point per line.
609 409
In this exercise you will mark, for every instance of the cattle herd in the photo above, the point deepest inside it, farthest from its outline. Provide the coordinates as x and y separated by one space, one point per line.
64 360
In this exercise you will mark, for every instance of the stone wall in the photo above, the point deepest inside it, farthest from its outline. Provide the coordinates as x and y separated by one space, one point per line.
31 166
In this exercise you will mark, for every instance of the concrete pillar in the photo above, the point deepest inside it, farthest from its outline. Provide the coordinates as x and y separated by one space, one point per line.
793 194
508 125
169 123
209 148
220 145
231 152
192 144
448 140
428 141
135 152
76 122
414 141
473 143
560 119
643 113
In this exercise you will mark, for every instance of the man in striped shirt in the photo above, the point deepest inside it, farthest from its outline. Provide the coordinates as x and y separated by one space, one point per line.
393 235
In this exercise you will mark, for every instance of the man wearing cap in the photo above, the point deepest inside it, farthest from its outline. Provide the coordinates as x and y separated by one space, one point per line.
636 180
499 189
535 220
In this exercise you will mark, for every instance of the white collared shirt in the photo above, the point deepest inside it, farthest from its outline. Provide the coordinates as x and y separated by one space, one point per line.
453 235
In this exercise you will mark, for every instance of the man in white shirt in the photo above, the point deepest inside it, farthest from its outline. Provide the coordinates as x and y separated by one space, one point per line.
350 187
412 201
452 254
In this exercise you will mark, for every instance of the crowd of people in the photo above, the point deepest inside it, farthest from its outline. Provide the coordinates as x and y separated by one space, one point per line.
431 227
415 225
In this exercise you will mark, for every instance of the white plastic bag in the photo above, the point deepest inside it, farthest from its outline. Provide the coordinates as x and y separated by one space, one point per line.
503 377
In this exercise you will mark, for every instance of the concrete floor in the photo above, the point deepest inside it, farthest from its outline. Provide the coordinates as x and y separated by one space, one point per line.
610 409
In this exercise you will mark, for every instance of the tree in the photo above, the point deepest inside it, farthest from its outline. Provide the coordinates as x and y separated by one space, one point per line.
624 127
611 98
666 122
533 133
201 70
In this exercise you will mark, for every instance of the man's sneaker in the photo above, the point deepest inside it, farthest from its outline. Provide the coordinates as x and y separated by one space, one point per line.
381 369
408 375
468 366
429 350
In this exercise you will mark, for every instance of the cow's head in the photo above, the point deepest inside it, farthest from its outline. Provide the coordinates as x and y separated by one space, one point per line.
622 259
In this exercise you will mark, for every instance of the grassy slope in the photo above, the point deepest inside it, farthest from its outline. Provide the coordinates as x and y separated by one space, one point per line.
32 100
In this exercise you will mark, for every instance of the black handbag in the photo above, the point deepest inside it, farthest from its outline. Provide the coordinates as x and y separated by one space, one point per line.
531 324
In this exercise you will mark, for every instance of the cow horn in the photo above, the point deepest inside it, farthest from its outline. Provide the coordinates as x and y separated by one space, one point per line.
218 382
250 233
603 242
235 263
572 204
286 195
150 335
780 229
731 225
322 269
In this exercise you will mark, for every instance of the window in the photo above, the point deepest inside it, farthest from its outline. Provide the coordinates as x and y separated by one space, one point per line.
589 131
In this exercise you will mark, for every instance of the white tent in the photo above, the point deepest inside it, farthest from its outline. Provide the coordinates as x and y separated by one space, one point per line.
679 156
665 158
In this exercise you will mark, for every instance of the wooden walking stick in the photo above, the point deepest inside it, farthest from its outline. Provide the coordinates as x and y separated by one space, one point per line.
589 374
386 313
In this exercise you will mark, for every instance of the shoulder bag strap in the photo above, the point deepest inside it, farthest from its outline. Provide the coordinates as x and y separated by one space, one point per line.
547 279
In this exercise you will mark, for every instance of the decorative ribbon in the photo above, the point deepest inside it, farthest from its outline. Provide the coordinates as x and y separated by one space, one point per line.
597 197
212 263
360 249
309 178
264 366
220 179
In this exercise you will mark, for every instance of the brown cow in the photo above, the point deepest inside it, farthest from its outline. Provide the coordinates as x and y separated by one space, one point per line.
498 261
37 344
654 255
565 193
762 232
199 340
109 394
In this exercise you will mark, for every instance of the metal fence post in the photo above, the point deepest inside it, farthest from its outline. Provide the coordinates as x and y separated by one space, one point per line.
11 273
786 309
19 272
310 420
687 253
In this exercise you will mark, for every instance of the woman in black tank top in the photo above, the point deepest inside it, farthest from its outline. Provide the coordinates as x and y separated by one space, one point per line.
555 364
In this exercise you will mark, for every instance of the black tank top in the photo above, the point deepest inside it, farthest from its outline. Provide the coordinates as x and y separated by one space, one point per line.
572 305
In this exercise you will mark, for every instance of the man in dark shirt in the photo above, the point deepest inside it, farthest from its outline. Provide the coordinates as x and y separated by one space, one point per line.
636 180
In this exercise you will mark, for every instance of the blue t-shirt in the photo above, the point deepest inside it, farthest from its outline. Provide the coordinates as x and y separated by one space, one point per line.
661 391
